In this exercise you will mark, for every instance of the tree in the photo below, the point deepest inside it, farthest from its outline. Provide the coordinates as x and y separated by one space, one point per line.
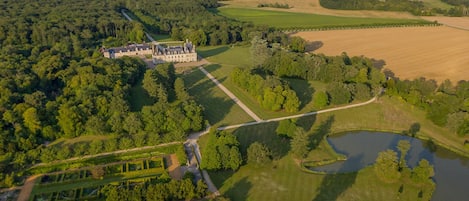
423 172
320 99
180 90
201 189
235 158
403 146
31 120
97 172
259 50
299 143
258 153
338 93
286 128
297 44
387 166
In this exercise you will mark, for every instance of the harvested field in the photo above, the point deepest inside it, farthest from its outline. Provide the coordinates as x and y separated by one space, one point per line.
313 6
456 22
433 52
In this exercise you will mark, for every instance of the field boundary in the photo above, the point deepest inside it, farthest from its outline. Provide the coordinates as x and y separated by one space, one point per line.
365 26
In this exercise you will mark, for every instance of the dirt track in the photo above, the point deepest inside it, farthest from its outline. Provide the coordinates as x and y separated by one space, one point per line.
27 188
433 52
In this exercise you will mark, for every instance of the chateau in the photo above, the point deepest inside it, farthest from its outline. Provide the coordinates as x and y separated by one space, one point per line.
160 52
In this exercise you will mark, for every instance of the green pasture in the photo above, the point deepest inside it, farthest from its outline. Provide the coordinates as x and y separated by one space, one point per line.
281 19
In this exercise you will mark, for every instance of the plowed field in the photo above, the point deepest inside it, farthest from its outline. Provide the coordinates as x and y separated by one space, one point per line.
433 52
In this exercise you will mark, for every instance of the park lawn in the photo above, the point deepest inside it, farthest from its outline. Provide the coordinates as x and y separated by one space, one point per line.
281 19
224 59
83 138
219 109
284 180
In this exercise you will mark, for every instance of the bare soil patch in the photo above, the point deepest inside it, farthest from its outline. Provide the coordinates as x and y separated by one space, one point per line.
313 6
174 168
432 52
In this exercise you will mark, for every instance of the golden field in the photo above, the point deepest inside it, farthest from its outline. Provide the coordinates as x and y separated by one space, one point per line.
432 52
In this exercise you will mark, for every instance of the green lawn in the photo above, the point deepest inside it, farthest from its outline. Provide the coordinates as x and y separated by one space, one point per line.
219 109
281 19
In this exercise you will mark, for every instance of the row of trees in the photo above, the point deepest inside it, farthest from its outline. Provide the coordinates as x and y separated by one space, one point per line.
446 105
414 7
271 93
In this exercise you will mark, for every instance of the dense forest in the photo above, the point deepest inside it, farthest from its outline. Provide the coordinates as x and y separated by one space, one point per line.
55 84
414 7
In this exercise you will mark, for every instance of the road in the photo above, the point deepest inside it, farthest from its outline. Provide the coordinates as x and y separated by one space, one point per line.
298 115
231 95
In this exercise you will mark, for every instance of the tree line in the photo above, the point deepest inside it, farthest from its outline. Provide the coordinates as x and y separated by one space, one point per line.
414 7
446 104
162 188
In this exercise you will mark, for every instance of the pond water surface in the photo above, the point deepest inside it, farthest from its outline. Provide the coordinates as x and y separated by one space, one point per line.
362 148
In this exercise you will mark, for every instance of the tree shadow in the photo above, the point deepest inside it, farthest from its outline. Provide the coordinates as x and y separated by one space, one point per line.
306 122
239 190
335 184
303 90
215 108
413 130
264 133
320 132
378 63
314 45
212 52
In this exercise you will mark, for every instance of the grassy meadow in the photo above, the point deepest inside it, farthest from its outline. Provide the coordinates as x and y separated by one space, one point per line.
281 19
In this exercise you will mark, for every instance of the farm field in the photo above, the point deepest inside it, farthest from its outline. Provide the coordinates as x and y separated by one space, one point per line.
456 22
281 19
432 52
313 6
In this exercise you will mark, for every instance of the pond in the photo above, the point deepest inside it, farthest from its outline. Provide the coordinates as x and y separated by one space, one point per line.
362 148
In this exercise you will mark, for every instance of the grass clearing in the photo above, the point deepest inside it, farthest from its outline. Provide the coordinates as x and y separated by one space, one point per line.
281 19
436 4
